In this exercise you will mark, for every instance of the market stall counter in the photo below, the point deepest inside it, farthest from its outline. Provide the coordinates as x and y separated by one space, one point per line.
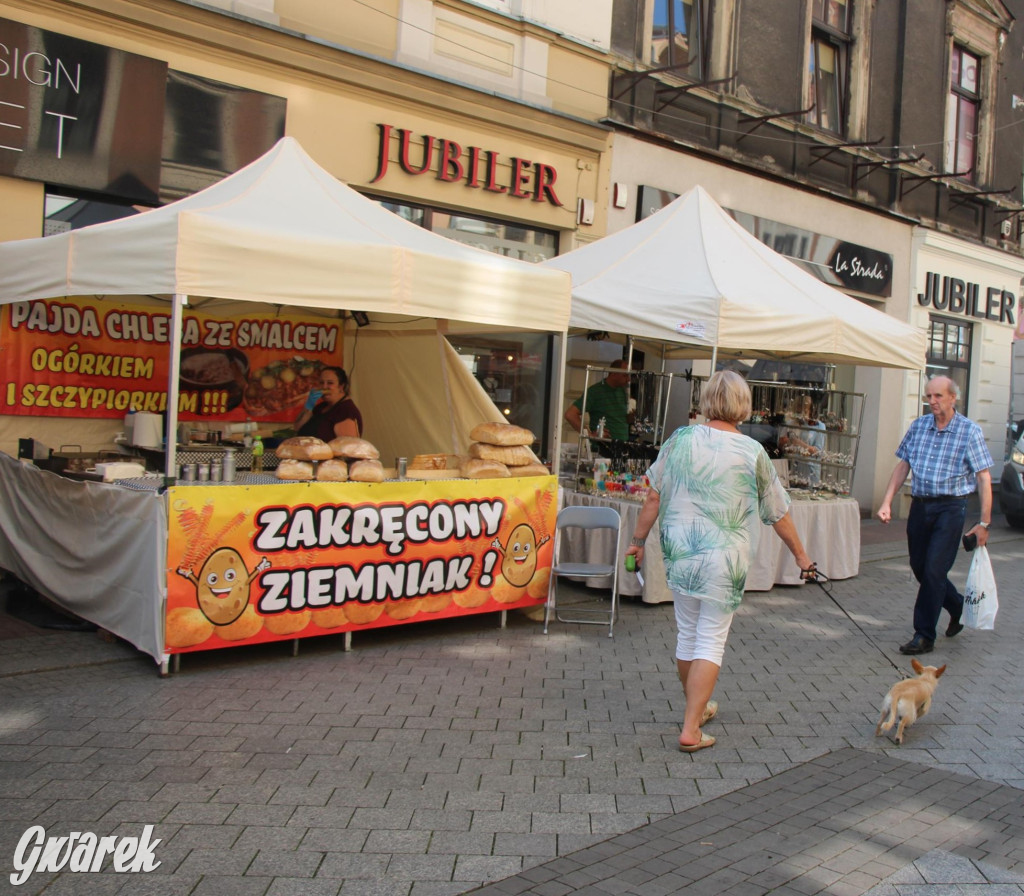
212 565
828 527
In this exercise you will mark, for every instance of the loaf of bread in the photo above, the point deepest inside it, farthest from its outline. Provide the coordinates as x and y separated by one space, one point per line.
476 468
304 448
529 470
366 471
507 454
350 446
501 434
294 470
434 462
333 470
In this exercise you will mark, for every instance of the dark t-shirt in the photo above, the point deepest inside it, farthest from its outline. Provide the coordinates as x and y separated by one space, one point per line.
325 417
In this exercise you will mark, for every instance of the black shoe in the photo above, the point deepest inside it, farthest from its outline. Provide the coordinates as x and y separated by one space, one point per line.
954 628
916 645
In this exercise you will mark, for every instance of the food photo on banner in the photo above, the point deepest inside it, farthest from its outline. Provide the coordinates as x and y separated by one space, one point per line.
99 358
267 563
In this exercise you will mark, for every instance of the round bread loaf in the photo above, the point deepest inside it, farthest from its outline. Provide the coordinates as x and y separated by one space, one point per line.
501 434
485 469
350 446
304 448
529 470
294 469
366 471
333 470
512 455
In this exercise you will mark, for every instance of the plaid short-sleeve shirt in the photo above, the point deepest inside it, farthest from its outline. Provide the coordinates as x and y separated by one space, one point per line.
944 461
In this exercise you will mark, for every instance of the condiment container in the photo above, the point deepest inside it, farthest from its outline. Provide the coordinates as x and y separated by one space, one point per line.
204 472
228 465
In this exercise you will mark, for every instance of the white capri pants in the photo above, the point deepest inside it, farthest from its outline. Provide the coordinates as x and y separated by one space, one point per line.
702 627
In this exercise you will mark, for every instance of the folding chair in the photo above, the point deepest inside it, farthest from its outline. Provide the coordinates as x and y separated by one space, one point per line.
586 519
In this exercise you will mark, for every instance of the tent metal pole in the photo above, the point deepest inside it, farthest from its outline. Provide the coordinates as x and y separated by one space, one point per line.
173 372
714 359
556 423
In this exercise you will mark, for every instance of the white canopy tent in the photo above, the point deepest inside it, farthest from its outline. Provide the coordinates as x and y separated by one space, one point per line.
689 276
284 231
281 231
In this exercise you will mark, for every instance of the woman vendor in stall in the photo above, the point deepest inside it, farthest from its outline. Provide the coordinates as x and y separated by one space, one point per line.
329 412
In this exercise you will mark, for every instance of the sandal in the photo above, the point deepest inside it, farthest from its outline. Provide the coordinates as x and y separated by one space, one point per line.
706 740
710 711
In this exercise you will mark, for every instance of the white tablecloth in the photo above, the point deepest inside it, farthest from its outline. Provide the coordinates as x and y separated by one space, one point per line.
829 530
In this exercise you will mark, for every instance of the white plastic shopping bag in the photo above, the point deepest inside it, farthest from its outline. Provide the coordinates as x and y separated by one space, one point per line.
980 600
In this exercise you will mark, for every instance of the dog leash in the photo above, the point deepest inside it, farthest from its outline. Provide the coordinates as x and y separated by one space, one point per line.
817 577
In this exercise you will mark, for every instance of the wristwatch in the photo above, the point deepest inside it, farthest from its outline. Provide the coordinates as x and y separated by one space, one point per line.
984 525
637 542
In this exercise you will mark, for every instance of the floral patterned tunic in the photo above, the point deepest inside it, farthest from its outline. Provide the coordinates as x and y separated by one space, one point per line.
715 490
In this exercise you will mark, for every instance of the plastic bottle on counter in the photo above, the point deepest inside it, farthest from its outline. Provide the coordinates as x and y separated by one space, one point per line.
257 454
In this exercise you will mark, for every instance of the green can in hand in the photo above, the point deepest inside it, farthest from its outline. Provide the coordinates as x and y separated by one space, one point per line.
631 563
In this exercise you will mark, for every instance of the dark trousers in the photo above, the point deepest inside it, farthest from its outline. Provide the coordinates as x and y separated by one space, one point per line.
933 538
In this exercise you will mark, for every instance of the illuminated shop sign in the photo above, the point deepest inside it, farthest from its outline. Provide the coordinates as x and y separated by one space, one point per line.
471 166
75 113
969 299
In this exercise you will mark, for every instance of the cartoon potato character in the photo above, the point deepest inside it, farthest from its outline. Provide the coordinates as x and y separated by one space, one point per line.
222 586
519 561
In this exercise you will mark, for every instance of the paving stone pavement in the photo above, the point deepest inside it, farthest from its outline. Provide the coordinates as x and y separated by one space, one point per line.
458 757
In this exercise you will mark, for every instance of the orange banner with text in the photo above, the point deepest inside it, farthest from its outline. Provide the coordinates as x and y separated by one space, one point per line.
249 564
93 358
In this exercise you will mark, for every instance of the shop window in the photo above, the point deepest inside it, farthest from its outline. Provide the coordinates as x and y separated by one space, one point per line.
949 354
963 113
828 64
501 237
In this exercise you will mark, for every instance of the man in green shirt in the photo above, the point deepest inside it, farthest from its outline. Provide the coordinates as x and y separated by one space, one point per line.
608 399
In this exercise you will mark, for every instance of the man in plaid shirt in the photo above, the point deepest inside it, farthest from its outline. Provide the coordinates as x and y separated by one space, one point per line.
948 457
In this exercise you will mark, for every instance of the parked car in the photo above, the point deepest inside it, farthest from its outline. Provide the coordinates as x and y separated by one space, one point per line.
1011 485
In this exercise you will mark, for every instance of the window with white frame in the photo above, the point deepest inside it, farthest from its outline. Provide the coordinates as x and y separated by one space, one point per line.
828 60
963 113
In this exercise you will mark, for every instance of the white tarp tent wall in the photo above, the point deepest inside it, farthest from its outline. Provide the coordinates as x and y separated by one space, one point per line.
689 276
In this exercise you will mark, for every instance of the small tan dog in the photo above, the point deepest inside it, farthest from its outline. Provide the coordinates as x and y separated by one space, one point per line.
909 699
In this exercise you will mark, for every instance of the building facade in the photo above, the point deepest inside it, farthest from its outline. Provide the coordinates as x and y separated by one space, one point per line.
894 128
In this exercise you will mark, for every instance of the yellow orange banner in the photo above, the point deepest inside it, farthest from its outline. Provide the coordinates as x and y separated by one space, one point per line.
101 358
249 564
